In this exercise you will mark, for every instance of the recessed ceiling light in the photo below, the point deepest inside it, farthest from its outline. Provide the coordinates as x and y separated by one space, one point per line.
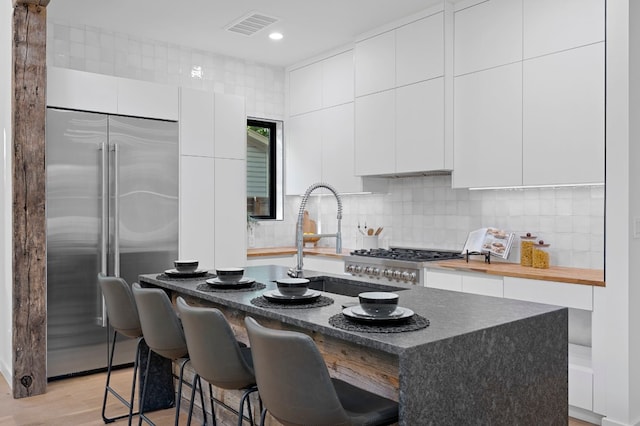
276 36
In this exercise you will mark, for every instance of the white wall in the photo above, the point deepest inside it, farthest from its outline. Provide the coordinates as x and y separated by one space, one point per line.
6 364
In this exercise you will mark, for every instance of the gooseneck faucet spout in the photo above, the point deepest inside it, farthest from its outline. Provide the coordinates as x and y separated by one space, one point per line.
297 272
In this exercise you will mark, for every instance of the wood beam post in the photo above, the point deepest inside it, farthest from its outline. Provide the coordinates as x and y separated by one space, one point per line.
29 193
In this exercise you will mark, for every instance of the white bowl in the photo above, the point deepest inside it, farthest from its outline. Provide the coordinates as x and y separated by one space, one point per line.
228 275
293 286
378 303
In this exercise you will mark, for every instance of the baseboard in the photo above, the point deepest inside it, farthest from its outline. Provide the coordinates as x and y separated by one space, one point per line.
586 415
608 422
6 373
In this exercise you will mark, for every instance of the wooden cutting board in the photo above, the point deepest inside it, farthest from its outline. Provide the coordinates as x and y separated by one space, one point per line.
309 227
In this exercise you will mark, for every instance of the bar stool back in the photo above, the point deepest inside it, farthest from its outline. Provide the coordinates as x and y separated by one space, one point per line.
296 388
216 355
123 317
162 333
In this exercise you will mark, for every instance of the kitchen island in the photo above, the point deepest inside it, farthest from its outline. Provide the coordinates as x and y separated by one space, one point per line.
482 360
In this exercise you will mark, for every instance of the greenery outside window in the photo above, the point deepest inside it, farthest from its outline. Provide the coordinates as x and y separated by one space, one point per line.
263 165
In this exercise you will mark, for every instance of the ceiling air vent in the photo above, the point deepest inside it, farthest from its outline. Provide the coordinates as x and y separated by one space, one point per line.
251 23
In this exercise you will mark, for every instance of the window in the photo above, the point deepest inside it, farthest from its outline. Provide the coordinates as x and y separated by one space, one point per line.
264 162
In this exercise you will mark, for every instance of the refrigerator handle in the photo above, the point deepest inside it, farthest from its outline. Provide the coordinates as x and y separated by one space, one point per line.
116 210
104 224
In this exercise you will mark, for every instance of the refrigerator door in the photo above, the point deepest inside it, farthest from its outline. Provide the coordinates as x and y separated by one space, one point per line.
75 338
144 191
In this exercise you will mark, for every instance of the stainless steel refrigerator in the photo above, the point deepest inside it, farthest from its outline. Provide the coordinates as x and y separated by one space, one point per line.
112 206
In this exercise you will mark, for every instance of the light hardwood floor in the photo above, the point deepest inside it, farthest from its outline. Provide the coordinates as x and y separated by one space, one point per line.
77 402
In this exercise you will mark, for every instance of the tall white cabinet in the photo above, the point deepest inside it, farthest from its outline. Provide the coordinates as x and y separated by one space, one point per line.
213 178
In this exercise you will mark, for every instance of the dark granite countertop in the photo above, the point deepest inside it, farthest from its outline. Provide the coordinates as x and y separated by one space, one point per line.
450 313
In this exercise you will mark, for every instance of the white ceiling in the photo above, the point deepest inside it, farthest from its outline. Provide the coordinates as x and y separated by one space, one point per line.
310 27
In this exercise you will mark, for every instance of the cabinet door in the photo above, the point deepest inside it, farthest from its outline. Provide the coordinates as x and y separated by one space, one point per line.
338 165
337 79
375 64
375 134
230 212
552 25
563 133
196 122
553 293
303 152
305 89
144 99
444 280
488 128
487 35
81 90
230 127
420 126
197 204
420 50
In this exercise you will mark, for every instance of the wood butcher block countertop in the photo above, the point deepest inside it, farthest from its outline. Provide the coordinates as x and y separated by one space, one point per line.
594 277
286 251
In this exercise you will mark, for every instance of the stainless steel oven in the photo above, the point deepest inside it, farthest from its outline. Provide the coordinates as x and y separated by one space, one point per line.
395 264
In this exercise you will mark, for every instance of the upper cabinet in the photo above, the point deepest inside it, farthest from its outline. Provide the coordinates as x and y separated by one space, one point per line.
322 84
523 126
114 95
230 131
563 117
375 64
401 91
552 26
420 50
487 35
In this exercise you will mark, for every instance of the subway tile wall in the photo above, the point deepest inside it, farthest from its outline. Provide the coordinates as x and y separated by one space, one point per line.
92 49
416 212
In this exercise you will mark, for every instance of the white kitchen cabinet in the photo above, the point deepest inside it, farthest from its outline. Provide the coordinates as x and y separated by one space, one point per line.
81 90
230 213
305 89
337 79
320 149
230 127
197 206
196 122
144 99
420 50
553 293
482 284
487 35
563 117
375 134
552 26
443 280
419 127
324 264
303 152
375 64
338 151
580 377
287 261
488 128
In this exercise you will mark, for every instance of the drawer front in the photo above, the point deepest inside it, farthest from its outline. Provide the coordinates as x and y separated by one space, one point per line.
580 387
484 285
444 280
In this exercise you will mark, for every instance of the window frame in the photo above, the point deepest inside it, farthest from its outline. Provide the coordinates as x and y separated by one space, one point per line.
272 164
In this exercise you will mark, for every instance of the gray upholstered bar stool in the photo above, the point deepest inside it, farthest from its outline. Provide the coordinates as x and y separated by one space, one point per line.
296 388
163 334
123 317
217 357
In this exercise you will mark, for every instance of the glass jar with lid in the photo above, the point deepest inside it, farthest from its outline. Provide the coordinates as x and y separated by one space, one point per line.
526 249
540 258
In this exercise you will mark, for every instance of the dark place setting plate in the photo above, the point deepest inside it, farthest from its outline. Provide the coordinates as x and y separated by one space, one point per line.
242 283
277 297
174 273
358 314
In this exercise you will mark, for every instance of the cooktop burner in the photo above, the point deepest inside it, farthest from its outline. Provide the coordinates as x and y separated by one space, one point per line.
411 255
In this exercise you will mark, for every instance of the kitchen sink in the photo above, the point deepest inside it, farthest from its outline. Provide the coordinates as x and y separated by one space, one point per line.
347 287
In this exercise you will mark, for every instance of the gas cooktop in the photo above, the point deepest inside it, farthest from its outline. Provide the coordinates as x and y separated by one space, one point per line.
409 255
